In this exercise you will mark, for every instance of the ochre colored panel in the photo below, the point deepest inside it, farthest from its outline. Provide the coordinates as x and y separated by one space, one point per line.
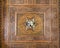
35 28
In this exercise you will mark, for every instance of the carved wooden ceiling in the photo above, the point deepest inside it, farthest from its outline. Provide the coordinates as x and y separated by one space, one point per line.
31 24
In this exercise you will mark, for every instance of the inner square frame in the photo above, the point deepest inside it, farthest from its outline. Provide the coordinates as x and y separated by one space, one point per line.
41 15
49 40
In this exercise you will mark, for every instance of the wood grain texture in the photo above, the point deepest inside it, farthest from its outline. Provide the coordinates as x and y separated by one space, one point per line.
16 13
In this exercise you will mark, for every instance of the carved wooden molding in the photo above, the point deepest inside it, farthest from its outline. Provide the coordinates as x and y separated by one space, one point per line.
48 12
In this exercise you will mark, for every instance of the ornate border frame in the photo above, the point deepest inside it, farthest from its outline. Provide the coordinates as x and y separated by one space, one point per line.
3 5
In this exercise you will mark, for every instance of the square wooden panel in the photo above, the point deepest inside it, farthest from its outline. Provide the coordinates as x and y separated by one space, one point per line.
22 29
18 30
42 12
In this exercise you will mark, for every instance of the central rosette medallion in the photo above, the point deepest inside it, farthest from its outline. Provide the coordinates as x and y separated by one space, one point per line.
30 24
